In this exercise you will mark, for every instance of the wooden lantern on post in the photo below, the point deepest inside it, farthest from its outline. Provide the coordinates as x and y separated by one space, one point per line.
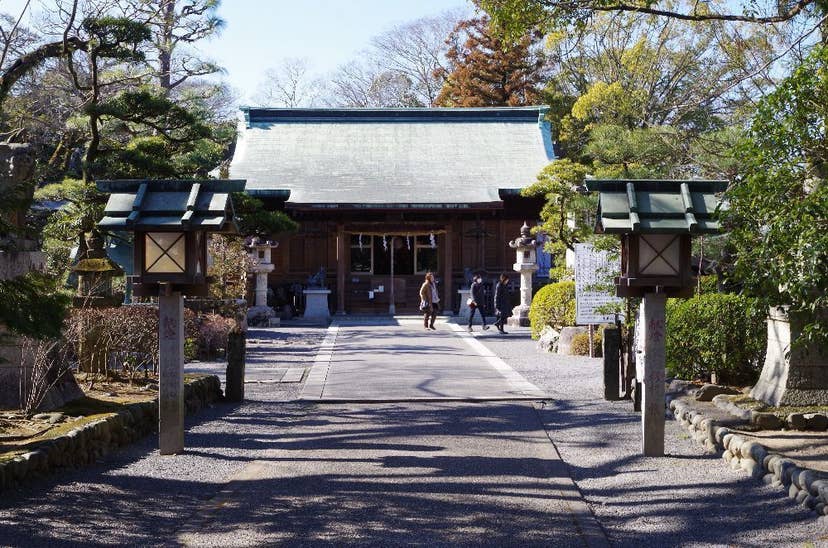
171 221
655 221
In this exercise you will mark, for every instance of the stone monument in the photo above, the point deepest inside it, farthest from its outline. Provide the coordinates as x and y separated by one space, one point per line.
316 298
260 253
525 262
793 374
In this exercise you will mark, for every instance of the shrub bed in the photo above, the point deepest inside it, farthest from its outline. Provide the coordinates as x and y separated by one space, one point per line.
715 332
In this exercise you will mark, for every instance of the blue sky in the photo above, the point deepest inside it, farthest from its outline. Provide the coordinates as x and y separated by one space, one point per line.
259 33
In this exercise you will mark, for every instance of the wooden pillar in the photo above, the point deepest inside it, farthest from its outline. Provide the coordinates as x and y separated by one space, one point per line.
448 267
340 268
171 373
652 415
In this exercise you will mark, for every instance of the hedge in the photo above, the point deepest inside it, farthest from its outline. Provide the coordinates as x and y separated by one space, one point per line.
716 332
553 305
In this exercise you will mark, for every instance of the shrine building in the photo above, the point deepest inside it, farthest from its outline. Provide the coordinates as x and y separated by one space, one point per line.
384 195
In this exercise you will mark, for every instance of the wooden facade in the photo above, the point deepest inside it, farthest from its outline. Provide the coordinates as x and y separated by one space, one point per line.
468 242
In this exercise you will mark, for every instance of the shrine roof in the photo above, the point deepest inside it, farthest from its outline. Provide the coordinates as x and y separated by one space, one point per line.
407 158
657 206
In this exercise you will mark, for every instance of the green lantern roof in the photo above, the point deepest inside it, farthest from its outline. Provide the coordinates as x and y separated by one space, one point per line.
136 204
656 206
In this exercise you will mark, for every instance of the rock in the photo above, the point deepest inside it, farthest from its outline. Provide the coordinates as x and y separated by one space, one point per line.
548 339
708 391
816 421
565 340
766 421
797 421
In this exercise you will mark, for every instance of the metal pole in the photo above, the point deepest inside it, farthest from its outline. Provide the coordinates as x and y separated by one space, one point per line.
171 373
591 340
392 309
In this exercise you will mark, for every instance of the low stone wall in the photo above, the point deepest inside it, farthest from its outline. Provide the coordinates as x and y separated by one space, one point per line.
807 487
90 441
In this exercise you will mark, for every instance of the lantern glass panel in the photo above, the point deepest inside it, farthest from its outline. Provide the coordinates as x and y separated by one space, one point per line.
164 252
658 255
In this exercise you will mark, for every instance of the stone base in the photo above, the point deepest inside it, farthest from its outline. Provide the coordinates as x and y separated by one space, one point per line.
519 317
316 304
791 376
463 312
260 316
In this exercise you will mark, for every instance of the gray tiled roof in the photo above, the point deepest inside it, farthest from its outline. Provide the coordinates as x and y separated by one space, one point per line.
391 156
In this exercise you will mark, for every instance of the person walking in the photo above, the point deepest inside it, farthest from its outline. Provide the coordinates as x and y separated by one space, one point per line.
429 301
501 302
476 300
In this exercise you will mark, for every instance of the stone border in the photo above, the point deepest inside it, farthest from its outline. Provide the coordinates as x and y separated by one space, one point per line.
318 376
89 442
809 488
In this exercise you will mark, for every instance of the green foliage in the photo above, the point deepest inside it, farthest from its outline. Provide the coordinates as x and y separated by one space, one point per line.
117 37
779 206
31 305
552 305
718 332
231 263
561 184
580 344
255 220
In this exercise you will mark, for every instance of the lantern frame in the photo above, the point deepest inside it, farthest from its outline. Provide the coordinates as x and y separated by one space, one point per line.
642 212
191 209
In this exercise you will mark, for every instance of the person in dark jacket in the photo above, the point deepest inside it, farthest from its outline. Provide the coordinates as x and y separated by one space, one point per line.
501 302
477 301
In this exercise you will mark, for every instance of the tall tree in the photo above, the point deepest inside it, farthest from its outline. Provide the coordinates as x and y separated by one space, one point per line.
484 70
291 84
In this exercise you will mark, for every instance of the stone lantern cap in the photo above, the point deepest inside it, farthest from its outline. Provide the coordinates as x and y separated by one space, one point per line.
96 261
646 206
136 204
525 239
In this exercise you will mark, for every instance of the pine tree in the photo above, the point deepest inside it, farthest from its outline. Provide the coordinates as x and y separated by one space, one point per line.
485 71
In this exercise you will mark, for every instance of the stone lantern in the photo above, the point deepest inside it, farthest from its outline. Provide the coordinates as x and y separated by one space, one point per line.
95 272
262 265
655 221
171 221
526 263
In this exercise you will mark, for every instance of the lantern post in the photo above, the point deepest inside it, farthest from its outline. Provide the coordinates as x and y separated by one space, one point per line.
655 220
170 221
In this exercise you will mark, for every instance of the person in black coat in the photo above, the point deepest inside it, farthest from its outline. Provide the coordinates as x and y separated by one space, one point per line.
477 301
502 303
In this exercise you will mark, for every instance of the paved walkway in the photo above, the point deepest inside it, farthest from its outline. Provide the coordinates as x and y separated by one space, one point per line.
404 362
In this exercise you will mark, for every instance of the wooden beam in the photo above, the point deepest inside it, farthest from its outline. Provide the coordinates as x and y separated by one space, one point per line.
340 268
448 267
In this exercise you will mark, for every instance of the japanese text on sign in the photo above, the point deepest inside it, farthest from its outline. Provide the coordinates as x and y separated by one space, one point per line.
594 289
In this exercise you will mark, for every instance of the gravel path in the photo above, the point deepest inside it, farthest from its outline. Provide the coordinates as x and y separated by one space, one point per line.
136 497
685 499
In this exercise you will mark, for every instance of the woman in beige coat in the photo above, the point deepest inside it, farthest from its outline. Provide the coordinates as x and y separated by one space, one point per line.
429 301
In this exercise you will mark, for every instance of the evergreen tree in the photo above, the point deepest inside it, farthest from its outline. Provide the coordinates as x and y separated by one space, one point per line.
486 71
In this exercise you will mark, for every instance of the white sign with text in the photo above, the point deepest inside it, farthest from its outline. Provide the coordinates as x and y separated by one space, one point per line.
594 289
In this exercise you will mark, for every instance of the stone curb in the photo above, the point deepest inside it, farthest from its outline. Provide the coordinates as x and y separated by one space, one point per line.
809 488
91 441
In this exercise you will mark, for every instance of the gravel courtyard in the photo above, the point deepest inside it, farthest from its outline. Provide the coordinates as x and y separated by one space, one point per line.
435 452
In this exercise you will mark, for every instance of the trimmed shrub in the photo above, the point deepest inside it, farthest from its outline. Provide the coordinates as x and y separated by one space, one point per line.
716 332
553 305
580 344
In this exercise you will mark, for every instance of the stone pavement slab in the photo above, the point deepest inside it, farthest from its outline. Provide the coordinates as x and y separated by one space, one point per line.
404 362
431 474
